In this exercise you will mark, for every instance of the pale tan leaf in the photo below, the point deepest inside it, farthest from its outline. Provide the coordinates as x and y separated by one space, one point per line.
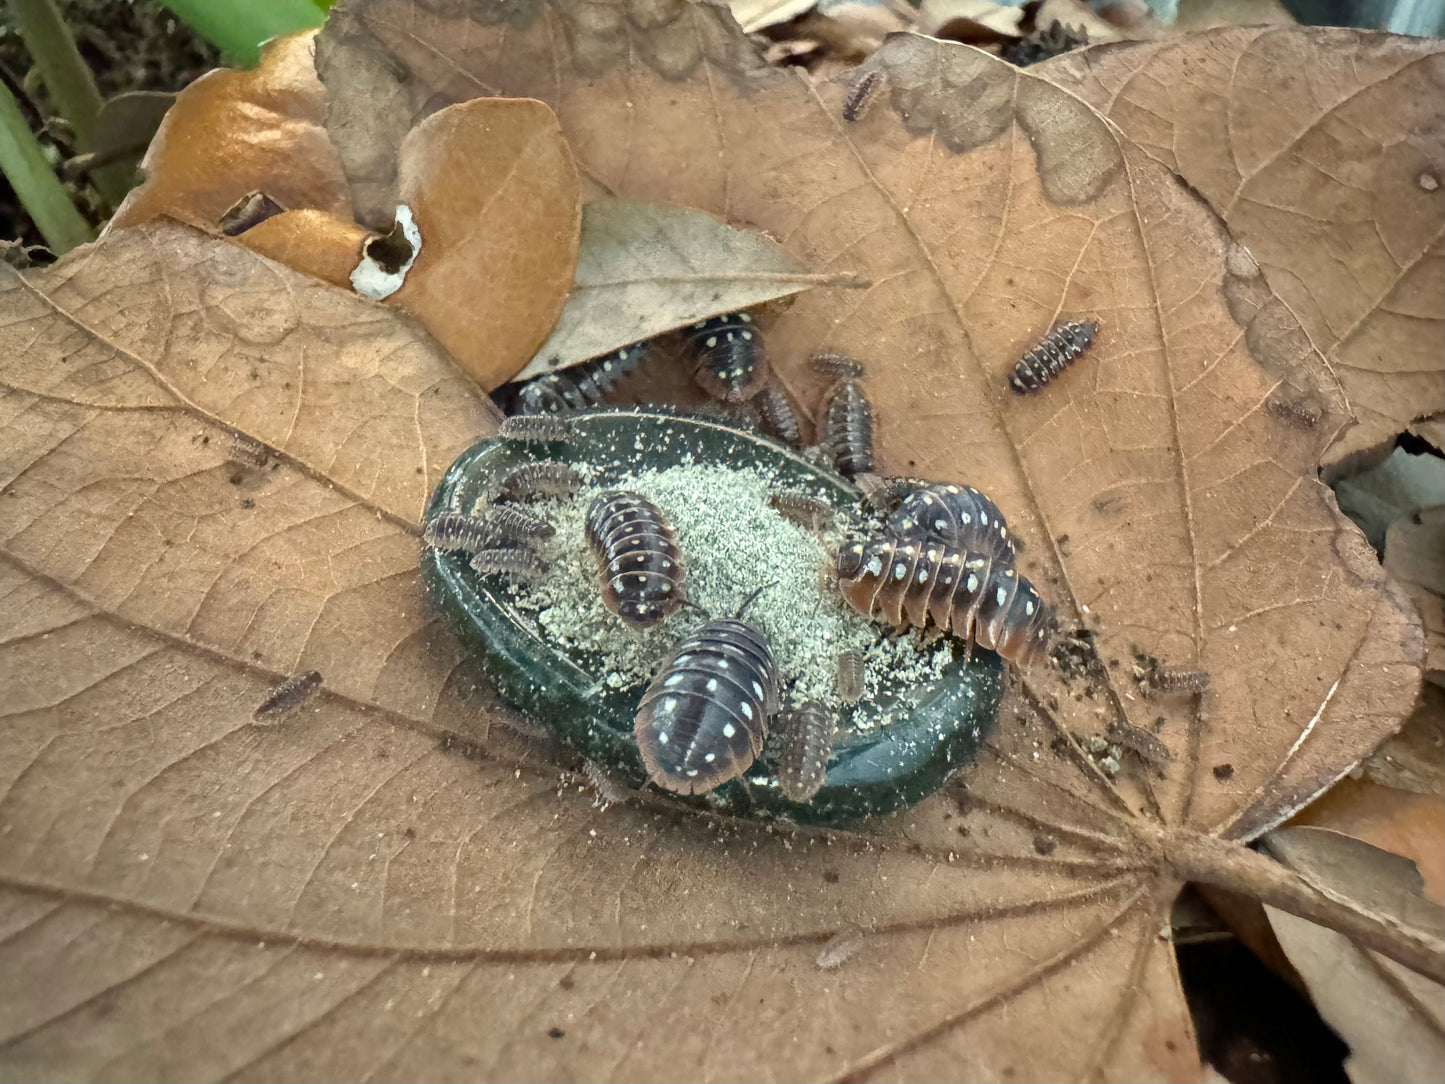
313 242
645 268
753 15
1331 186
1393 1019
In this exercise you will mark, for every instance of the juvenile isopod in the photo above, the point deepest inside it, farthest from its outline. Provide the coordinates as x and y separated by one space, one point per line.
638 560
1178 680
803 764
288 694
1300 413
1055 352
544 478
776 417
455 531
516 525
860 94
248 452
705 716
957 516
578 386
511 561
536 428
838 366
847 429
848 676
907 583
803 509
729 351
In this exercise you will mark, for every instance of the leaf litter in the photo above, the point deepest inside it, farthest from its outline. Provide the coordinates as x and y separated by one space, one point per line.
406 874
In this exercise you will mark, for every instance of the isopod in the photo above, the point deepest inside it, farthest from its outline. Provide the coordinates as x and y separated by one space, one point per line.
248 452
705 716
1054 353
578 386
776 417
1178 680
803 764
512 561
855 102
905 583
838 366
959 517
638 560
1300 413
457 531
803 509
536 428
730 356
288 694
887 493
544 478
848 428
514 524
848 676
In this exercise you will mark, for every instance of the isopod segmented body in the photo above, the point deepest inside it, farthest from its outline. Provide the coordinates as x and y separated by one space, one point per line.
544 478
848 676
511 561
803 509
855 102
703 719
578 386
848 428
776 417
536 427
905 583
803 764
455 531
1178 680
288 694
730 356
1054 353
638 560
959 517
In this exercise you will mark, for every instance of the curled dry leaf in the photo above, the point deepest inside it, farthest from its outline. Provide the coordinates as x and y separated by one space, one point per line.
1331 184
1415 556
455 905
1391 1017
235 132
496 201
315 243
645 268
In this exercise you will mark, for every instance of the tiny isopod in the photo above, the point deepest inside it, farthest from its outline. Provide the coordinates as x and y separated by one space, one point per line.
511 561
848 676
776 417
536 428
288 694
860 94
544 478
1054 353
803 764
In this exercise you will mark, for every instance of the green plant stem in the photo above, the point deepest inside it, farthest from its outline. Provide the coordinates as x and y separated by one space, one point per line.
68 82
40 191
238 27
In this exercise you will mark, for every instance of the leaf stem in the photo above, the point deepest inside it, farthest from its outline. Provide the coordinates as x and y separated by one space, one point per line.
68 83
1227 864
24 164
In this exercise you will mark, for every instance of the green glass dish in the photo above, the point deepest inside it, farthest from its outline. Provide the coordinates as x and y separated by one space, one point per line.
919 732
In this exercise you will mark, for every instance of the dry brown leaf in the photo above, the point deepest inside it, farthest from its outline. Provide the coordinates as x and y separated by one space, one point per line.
1001 20
1415 556
1393 1019
645 268
496 199
1414 759
1323 151
177 878
313 242
1398 821
235 132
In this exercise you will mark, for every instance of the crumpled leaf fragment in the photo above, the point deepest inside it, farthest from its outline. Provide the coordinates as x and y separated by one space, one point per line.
1391 1017
234 132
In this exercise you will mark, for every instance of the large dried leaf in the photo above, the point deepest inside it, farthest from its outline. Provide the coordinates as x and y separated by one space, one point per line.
1323 151
345 894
